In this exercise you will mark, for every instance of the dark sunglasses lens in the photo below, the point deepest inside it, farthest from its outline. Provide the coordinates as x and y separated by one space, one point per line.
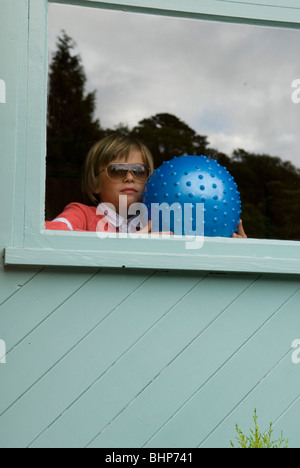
141 172
120 171
116 172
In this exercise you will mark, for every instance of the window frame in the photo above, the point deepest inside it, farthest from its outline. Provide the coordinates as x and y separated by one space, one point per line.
31 244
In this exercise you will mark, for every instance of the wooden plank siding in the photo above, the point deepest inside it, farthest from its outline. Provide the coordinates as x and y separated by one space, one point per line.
137 357
155 359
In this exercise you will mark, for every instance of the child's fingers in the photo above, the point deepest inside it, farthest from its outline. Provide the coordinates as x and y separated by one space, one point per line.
240 231
166 233
146 229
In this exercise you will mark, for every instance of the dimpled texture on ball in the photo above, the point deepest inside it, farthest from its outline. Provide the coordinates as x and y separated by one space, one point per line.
192 180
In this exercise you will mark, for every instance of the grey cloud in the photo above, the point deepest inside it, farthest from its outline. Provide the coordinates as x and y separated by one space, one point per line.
229 82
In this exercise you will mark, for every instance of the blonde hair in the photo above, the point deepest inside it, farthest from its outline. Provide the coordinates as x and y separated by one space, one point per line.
105 152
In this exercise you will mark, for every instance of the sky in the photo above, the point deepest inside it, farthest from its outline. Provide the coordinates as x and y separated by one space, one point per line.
231 83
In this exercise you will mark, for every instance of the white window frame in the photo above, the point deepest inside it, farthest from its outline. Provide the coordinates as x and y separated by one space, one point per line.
31 244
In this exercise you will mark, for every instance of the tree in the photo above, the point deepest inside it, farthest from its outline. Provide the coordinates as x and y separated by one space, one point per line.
270 190
71 127
167 136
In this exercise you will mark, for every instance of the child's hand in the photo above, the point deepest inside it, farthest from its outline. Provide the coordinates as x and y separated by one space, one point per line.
240 232
147 229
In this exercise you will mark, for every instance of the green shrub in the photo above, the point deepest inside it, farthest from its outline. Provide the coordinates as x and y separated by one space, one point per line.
258 440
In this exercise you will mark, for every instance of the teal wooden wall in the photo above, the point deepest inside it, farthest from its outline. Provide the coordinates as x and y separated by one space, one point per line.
135 358
154 359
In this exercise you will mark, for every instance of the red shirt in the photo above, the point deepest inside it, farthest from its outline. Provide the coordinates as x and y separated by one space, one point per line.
79 217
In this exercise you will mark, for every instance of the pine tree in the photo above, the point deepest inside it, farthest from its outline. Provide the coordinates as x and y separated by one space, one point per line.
71 127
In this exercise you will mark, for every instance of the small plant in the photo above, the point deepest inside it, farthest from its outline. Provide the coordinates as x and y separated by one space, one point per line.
257 439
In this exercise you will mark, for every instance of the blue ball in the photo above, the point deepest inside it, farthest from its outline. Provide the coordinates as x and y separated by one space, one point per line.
193 195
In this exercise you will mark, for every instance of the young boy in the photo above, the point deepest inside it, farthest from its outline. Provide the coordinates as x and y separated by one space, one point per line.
115 166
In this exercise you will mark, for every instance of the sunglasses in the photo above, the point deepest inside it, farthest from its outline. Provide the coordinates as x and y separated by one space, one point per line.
119 172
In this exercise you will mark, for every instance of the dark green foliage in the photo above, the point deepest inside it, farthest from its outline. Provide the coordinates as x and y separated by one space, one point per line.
167 136
270 190
71 125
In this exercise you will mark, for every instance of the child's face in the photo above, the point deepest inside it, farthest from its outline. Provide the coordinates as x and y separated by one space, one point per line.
110 191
